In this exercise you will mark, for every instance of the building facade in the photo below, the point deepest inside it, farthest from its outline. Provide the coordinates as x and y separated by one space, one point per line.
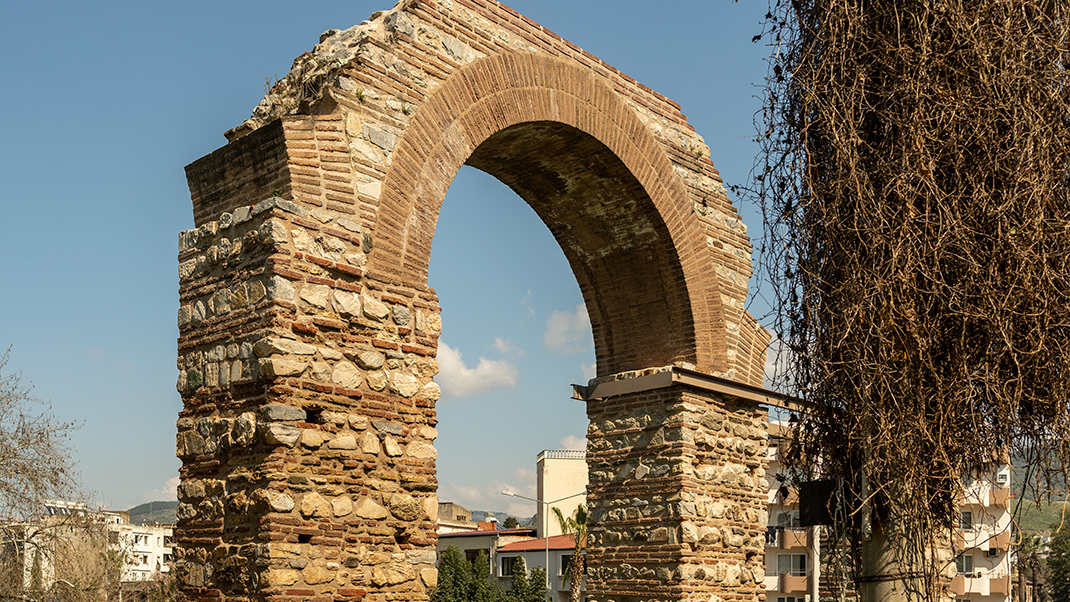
794 561
146 549
562 483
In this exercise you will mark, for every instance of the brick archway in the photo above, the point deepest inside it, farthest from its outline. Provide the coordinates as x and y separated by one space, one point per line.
308 332
566 143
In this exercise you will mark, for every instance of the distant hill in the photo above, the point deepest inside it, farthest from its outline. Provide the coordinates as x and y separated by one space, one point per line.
153 512
481 515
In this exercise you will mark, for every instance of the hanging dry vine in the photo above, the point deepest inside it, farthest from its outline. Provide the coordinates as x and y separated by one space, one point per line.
915 188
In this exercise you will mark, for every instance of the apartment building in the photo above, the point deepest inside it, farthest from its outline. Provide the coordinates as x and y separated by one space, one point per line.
983 538
793 557
561 481
147 550
792 552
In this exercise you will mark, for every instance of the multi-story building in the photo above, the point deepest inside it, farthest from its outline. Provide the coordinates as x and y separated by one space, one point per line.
561 483
793 557
983 538
73 544
146 549
792 552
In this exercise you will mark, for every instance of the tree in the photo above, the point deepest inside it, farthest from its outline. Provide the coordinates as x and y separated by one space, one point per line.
519 589
916 194
61 558
482 589
510 523
538 585
1059 563
35 456
575 525
454 577
524 587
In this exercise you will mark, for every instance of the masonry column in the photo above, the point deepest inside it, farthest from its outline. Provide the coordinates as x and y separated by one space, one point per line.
307 433
677 490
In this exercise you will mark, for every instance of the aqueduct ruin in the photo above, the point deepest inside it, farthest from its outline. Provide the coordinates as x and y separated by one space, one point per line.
308 333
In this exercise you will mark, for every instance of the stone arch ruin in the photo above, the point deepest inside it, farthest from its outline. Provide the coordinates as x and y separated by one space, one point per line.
308 332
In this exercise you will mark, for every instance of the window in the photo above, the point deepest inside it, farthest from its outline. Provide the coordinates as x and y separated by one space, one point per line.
788 599
992 552
471 555
966 520
789 518
793 564
964 563
507 566
566 560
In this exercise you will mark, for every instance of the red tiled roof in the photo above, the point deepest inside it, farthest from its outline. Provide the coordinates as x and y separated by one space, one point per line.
557 542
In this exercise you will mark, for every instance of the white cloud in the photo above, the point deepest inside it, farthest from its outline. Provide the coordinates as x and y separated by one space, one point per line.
529 312
574 442
568 332
167 493
589 370
507 347
458 380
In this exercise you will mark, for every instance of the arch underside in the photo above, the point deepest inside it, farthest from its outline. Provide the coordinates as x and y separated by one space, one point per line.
598 179
605 223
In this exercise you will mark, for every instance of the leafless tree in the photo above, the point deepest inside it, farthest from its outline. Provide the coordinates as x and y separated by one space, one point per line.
916 191
64 557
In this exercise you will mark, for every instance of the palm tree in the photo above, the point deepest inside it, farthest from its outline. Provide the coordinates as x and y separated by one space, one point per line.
574 525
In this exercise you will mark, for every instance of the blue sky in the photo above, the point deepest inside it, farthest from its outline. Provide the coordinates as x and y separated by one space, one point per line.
104 103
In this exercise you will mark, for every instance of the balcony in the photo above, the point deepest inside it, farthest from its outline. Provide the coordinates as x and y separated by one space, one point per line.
792 539
1000 498
958 585
999 586
794 583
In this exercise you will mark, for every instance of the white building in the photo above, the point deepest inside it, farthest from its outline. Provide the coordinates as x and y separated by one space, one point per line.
793 568
147 550
554 552
562 483
983 539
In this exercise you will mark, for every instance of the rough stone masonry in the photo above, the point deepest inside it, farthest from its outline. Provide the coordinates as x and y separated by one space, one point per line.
308 333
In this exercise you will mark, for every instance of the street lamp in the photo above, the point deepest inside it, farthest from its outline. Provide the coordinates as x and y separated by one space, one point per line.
546 537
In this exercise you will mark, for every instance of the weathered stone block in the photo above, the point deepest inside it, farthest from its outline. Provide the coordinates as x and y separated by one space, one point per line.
278 413
346 375
367 508
314 505
343 442
281 434
275 367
